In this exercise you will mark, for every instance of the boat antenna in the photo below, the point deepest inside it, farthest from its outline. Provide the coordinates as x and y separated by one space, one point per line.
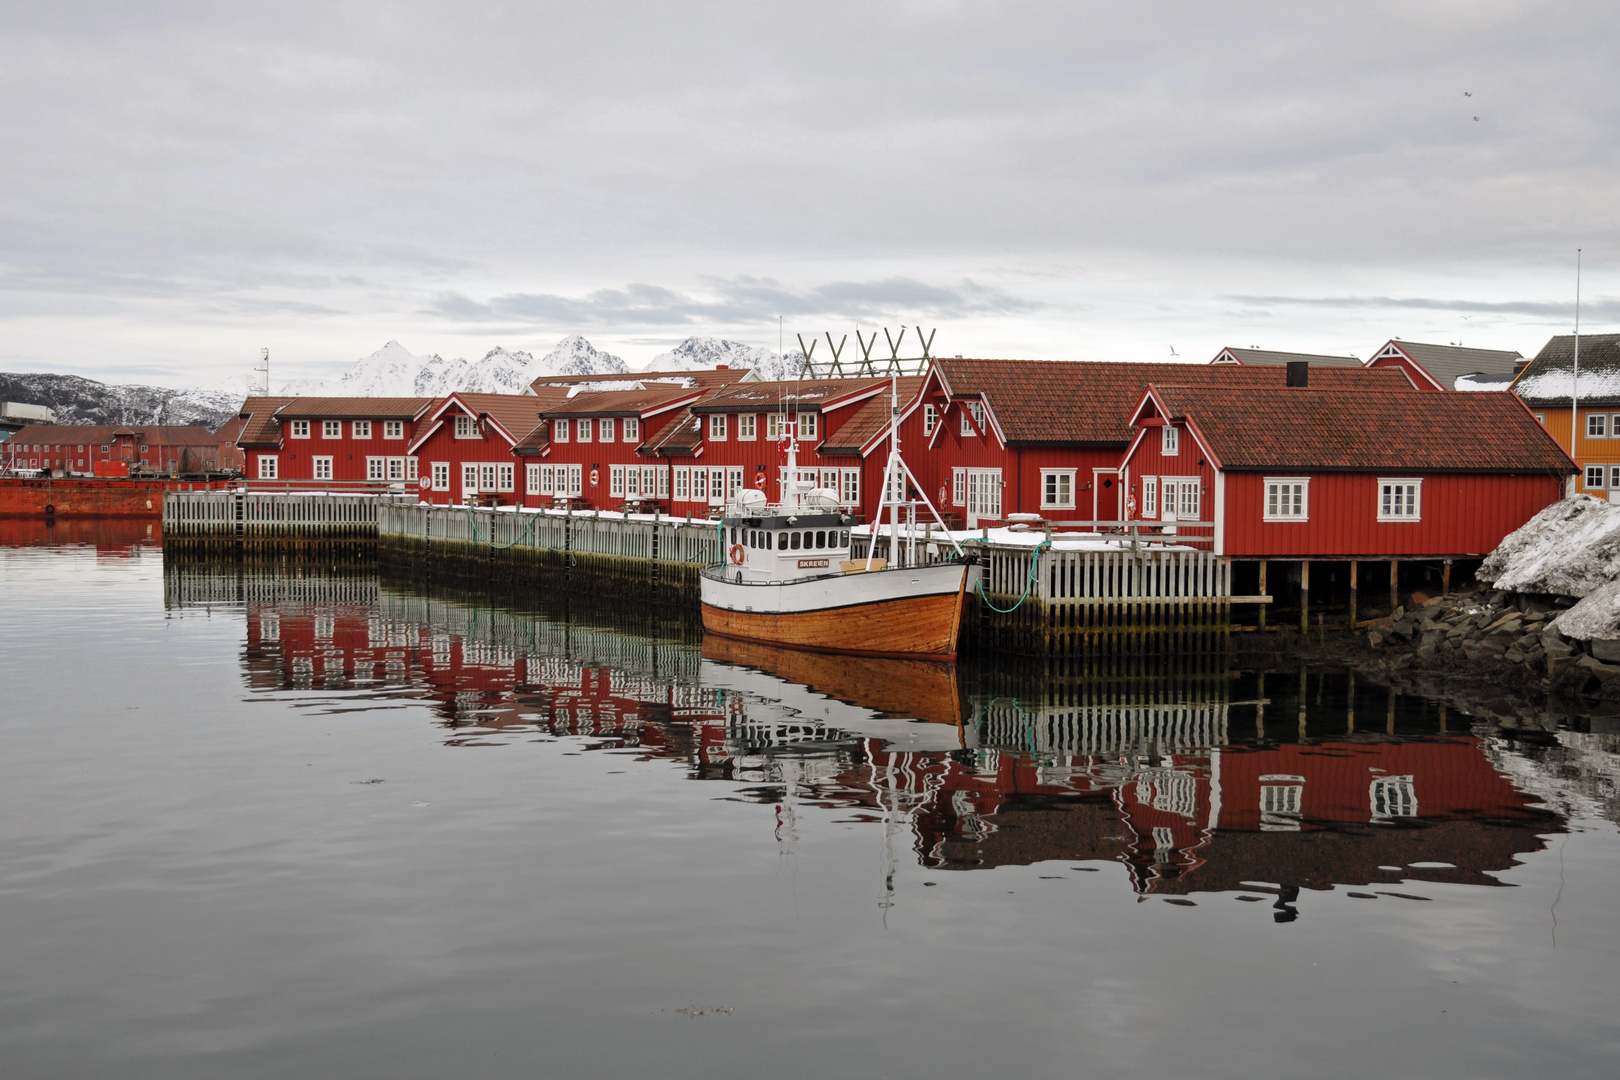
1575 373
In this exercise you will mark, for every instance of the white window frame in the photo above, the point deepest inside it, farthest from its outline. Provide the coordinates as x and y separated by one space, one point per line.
604 429
1390 797
1597 425
1057 489
559 430
984 493
411 467
267 467
717 427
576 477
662 479
1169 441
441 475
331 429
1591 481
1187 494
469 478
930 418
1150 496
531 479
322 468
375 468
807 425
487 476
298 429
734 481
632 429
393 429
967 419
747 427
1614 476
615 481
1541 418
583 430
466 426
958 487
1279 493
773 426
849 487
506 476
396 469
683 483
1416 498
700 484
361 428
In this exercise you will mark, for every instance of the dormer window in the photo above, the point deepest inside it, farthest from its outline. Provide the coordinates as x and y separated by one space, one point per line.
1169 441
930 419
466 426
972 417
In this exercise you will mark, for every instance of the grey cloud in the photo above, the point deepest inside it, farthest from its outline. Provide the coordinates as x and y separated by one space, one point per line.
737 301
1593 309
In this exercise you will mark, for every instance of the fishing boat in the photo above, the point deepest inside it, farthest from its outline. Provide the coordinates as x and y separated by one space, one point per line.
788 578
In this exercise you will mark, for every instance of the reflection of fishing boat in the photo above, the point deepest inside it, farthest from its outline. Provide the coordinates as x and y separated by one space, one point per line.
788 578
923 689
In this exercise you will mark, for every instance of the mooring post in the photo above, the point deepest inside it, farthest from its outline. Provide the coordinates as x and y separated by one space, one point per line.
1263 606
1445 580
1350 704
1390 725
1304 596
1394 580
1260 706
1304 698
1352 599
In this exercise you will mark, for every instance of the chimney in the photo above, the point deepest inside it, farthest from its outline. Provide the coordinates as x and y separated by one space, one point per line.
722 367
1299 373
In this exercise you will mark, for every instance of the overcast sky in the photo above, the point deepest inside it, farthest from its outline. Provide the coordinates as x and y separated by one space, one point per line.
183 183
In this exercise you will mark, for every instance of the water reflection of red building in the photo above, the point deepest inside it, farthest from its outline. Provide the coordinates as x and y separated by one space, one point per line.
1182 821
111 537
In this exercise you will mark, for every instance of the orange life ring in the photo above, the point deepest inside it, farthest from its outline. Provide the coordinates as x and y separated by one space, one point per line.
738 554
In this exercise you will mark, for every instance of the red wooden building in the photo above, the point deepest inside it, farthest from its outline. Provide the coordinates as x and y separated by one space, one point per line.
114 449
1440 367
591 449
466 446
1321 471
734 438
1000 437
339 441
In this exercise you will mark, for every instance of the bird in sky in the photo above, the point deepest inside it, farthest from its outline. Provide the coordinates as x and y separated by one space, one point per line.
1173 351
1468 93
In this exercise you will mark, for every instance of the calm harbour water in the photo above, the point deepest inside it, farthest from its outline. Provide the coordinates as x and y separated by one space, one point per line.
258 825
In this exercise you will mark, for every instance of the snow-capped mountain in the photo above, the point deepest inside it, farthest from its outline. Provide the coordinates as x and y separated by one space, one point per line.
705 354
77 400
395 371
573 355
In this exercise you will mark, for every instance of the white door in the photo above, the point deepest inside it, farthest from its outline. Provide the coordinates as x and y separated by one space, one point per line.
469 482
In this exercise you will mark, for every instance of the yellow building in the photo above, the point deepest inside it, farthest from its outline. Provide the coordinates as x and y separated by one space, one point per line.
1547 386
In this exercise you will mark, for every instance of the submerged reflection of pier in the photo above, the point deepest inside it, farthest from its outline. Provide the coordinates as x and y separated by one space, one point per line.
1176 779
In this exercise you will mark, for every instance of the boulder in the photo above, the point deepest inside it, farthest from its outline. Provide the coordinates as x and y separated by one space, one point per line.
1375 639
1401 628
1606 649
1569 549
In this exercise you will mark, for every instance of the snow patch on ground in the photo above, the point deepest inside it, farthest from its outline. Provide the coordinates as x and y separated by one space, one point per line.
1572 548
1596 616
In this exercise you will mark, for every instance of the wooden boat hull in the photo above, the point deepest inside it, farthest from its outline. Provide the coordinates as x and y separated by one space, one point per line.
911 611
90 497
926 690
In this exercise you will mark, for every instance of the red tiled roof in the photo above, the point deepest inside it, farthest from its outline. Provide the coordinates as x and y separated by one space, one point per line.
361 408
871 418
706 379
791 393
1089 403
261 428
98 434
619 402
1318 428
680 436
519 414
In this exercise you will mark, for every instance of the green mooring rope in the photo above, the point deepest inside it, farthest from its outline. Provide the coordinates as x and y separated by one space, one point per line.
472 523
1034 569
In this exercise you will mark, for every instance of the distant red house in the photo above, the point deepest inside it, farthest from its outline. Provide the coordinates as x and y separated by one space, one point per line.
1440 367
1000 437
1324 471
113 449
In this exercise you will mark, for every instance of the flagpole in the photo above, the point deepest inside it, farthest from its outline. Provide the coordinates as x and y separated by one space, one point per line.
1575 374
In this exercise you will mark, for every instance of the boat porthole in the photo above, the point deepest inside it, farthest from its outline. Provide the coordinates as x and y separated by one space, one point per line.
50 508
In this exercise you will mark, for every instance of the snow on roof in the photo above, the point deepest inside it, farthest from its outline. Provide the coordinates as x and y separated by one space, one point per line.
1547 379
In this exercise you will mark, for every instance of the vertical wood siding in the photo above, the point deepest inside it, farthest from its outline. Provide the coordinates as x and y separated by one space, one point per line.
1460 515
